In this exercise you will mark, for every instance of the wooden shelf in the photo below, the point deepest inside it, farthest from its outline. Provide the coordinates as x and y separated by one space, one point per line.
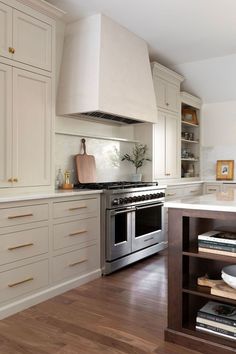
204 291
190 141
190 124
193 252
191 160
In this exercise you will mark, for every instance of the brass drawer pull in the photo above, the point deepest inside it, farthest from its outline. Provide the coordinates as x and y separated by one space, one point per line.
20 216
15 179
20 246
11 50
194 191
78 233
76 263
20 282
170 194
167 174
79 207
212 189
10 180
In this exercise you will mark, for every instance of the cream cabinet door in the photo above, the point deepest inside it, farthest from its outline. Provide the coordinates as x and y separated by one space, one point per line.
160 91
32 114
159 147
172 97
5 30
166 146
5 125
32 41
172 146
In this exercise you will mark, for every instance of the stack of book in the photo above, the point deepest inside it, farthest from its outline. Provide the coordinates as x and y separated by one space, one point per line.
219 242
217 318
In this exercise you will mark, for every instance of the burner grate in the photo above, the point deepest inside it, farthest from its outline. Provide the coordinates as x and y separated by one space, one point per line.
114 185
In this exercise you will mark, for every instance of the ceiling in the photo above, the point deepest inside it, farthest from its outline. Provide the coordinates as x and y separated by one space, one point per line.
177 31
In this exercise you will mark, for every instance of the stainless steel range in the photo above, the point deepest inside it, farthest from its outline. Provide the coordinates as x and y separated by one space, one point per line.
131 222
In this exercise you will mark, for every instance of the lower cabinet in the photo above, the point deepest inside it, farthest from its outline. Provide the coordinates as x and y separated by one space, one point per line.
45 251
179 192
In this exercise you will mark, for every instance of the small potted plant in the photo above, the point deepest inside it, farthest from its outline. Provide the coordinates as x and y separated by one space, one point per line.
137 158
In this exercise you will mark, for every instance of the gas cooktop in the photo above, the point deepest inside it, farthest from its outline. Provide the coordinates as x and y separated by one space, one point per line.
114 185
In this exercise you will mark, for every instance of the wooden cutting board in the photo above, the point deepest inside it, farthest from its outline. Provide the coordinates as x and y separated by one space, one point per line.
86 167
224 290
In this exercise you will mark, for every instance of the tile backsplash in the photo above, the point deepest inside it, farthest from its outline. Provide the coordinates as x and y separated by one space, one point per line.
107 153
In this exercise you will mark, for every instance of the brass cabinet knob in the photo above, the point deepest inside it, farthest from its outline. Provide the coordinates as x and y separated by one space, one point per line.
10 180
11 50
15 179
167 103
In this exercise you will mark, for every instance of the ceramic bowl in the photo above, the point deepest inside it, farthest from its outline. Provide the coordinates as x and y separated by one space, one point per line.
229 275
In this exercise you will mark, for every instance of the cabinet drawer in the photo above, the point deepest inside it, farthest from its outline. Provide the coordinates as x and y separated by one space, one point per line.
76 263
212 188
77 207
173 193
22 215
192 190
16 282
23 244
75 232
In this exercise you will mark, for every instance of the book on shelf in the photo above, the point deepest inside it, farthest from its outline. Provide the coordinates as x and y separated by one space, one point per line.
216 251
219 325
219 313
217 332
217 246
219 236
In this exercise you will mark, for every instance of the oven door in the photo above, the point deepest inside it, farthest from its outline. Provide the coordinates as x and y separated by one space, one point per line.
119 232
148 226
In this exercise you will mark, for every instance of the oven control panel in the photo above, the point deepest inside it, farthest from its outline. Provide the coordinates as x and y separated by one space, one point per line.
130 199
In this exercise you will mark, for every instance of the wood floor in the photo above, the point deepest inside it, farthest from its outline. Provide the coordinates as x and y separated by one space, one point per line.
122 313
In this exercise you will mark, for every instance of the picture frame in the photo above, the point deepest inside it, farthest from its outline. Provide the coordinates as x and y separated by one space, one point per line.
189 115
225 170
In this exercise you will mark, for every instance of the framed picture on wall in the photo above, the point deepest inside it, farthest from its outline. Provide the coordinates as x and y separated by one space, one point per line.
225 170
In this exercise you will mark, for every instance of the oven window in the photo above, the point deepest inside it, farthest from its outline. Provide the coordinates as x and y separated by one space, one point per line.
120 228
147 220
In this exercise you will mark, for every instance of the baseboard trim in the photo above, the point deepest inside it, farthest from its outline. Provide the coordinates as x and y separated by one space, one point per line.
45 294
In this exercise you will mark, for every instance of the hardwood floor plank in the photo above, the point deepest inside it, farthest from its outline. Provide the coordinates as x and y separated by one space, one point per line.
123 313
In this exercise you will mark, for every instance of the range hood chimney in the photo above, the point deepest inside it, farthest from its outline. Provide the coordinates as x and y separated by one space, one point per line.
105 73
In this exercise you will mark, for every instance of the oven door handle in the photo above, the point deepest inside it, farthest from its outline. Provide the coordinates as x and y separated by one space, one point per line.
113 213
150 206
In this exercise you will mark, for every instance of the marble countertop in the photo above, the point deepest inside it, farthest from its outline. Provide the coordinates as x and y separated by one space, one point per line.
47 195
222 201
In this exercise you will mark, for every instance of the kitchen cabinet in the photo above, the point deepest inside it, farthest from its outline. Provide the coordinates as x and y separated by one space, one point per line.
166 146
25 118
167 87
47 246
186 265
25 38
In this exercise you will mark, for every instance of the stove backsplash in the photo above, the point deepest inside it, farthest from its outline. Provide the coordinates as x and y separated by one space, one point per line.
106 152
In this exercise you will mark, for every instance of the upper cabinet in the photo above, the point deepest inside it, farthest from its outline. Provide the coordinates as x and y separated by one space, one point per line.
25 39
167 87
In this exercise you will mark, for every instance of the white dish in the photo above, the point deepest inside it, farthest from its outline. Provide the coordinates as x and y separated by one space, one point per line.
228 274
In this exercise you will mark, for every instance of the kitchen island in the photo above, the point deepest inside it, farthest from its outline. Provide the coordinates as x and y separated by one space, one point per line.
187 219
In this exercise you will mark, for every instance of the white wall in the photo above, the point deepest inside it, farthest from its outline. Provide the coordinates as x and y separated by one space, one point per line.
218 135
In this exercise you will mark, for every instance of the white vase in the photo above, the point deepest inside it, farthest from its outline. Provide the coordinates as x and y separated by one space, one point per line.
137 177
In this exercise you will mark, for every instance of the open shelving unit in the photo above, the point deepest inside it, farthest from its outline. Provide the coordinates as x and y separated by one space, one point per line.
186 264
190 138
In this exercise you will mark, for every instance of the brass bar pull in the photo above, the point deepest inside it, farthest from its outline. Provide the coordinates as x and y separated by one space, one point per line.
78 233
170 194
79 207
76 263
20 282
20 216
167 174
20 246
193 191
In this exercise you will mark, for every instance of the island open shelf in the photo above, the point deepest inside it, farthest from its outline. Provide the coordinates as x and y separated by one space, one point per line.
185 265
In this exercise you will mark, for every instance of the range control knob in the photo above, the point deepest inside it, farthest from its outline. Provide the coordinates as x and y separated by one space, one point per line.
162 195
115 202
121 201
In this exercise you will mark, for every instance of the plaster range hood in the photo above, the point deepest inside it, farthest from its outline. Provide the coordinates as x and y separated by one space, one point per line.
105 73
